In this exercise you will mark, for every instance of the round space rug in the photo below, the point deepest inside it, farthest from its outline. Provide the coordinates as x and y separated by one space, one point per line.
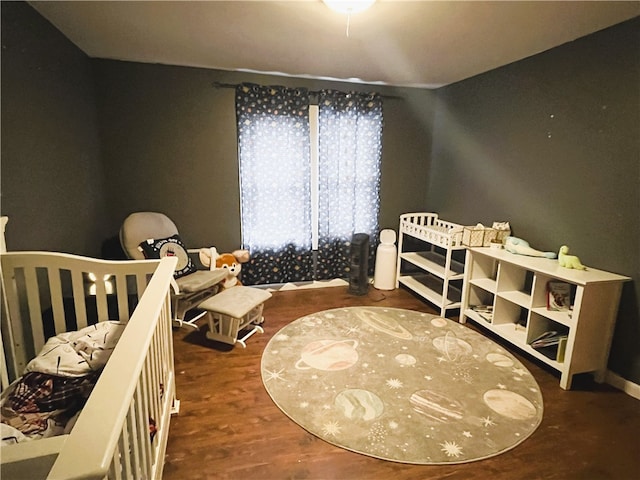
401 385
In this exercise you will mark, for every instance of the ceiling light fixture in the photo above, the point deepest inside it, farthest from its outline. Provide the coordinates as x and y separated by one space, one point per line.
348 7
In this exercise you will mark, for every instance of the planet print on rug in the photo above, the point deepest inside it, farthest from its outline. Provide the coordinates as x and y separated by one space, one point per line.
401 385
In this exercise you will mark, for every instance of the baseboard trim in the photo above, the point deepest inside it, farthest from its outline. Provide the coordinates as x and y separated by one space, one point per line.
623 384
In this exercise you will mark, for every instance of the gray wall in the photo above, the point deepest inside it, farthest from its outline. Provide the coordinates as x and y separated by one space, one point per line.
85 142
52 179
551 144
169 144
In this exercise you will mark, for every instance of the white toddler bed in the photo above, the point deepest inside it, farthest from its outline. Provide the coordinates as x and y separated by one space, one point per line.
122 430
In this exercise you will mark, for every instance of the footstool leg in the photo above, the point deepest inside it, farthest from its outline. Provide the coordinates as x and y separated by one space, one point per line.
243 340
223 328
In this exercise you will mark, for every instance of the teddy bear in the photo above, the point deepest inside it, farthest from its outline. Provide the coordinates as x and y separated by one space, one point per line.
232 262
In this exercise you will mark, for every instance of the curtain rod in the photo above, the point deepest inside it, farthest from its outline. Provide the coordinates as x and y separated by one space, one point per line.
312 92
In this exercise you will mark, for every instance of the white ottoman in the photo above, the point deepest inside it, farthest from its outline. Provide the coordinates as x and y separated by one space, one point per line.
233 310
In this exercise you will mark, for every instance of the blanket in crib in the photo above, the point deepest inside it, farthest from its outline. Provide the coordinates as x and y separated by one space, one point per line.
46 400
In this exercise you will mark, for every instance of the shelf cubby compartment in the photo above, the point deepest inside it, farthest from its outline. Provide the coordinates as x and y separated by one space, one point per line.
484 268
539 301
480 296
488 284
539 325
481 303
510 320
512 278
523 299
539 291
563 318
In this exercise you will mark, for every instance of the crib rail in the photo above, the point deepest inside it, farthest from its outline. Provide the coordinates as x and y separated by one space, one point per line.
112 436
49 293
428 227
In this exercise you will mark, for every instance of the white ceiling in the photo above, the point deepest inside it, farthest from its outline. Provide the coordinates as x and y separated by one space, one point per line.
404 43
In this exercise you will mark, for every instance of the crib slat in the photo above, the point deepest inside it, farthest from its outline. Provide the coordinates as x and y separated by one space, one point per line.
134 428
101 301
57 305
153 361
115 470
145 457
127 466
78 298
140 285
146 386
123 300
145 408
33 301
142 439
157 380
15 356
166 322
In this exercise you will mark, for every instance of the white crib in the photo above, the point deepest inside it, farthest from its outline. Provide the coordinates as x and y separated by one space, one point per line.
47 293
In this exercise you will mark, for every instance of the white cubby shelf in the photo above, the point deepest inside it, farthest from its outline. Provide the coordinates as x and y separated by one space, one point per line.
514 287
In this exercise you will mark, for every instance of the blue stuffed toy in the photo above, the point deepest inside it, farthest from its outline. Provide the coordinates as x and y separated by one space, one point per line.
522 247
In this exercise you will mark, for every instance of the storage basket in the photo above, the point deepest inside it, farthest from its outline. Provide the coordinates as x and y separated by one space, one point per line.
503 230
478 236
502 235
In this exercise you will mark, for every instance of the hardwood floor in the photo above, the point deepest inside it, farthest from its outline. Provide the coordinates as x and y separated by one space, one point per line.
229 428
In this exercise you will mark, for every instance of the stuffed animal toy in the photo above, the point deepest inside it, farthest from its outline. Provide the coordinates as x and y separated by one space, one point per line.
569 261
521 247
232 262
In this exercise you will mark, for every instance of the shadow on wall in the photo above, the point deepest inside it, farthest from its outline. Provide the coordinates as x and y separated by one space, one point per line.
626 337
112 250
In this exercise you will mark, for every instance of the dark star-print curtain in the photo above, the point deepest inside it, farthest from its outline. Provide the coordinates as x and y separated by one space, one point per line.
350 150
275 179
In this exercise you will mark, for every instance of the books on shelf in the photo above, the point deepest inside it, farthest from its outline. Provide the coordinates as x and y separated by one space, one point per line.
558 296
485 311
551 344
548 338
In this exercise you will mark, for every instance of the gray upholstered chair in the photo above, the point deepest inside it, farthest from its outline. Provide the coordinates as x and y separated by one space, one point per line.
154 235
